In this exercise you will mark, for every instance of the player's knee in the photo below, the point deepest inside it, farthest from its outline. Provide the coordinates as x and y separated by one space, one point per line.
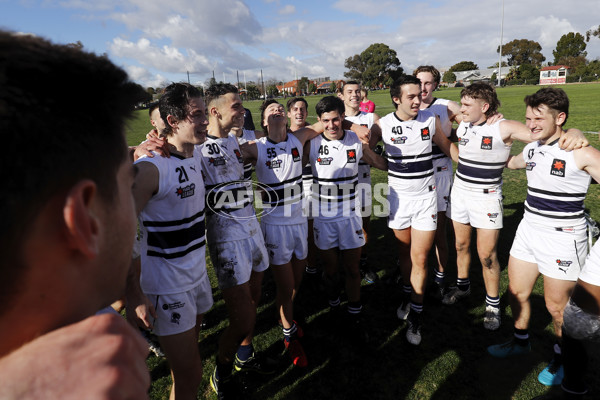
419 259
579 324
519 295
487 262
462 246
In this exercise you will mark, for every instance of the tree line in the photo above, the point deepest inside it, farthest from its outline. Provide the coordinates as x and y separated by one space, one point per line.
378 65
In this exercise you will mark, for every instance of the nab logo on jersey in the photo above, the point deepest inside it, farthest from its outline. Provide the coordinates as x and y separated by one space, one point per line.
324 160
558 168
425 134
216 161
529 165
400 140
530 153
295 154
351 155
462 141
486 143
273 164
186 191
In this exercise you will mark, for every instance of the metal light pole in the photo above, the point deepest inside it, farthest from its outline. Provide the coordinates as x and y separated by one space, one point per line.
501 38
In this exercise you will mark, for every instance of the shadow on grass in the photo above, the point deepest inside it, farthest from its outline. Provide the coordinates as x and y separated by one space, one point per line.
451 362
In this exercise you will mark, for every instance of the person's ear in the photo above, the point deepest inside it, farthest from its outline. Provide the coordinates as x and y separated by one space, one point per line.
172 120
81 219
485 107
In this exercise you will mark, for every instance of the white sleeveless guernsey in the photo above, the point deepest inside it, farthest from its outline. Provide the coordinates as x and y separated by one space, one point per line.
172 227
408 151
279 167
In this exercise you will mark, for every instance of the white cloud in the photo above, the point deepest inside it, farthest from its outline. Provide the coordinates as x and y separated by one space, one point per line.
287 10
205 35
369 8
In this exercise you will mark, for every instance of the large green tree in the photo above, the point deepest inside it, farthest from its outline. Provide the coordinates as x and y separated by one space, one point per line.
591 33
522 51
252 91
528 72
377 65
463 66
449 77
272 90
571 44
302 85
573 62
333 88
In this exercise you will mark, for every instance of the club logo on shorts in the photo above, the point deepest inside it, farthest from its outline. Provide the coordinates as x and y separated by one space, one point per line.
238 155
216 161
434 217
187 191
324 160
492 216
558 168
486 143
563 265
173 306
175 317
351 155
273 164
425 134
400 140
462 141
295 154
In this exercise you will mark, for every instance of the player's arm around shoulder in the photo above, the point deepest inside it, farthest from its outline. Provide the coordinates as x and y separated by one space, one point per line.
306 134
443 142
514 130
376 133
306 153
145 184
516 161
572 139
588 159
372 158
249 152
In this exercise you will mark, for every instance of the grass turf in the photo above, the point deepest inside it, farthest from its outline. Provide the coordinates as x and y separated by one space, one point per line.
451 362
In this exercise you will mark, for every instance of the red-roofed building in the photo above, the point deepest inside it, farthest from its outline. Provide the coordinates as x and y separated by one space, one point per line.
291 88
554 75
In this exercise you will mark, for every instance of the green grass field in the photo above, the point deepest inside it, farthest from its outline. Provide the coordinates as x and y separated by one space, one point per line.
451 362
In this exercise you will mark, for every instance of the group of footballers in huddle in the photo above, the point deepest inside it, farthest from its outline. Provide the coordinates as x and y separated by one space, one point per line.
193 187
67 248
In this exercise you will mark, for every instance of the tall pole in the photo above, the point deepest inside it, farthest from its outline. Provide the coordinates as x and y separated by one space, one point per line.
188 72
263 85
501 38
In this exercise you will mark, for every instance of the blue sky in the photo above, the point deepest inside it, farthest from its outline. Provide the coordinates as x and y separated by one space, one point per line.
160 41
